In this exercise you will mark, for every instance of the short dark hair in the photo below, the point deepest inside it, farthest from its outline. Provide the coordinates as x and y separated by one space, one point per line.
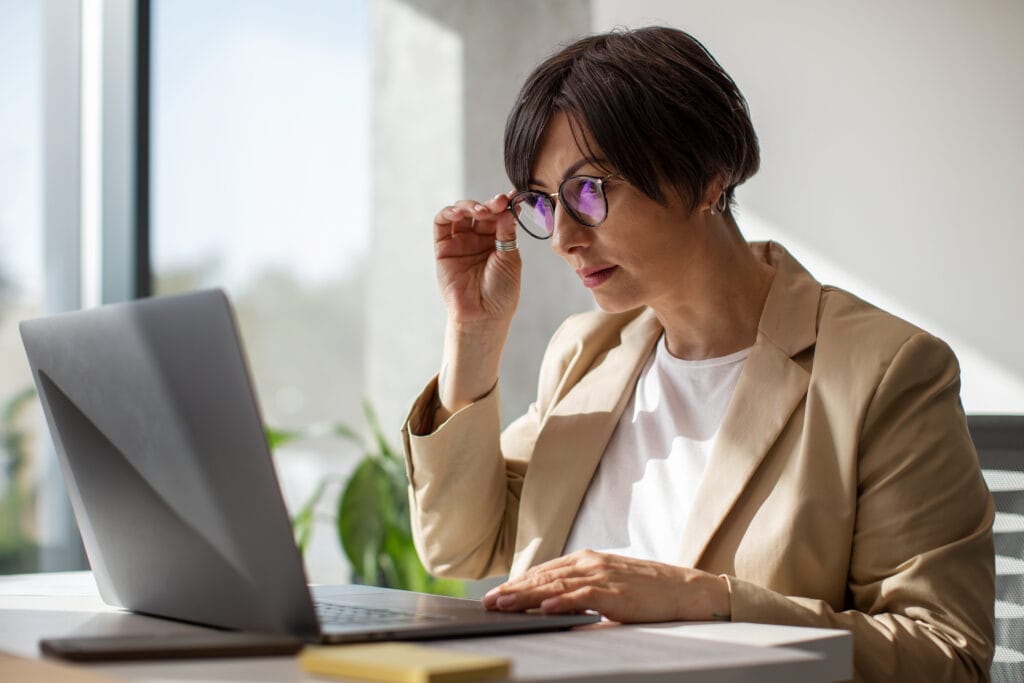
656 103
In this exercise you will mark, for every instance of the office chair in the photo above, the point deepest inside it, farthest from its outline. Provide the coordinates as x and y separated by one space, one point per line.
999 440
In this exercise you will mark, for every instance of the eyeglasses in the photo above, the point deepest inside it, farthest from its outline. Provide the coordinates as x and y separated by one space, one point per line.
582 198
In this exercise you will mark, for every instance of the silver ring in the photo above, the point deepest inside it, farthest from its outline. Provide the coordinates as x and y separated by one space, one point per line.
505 245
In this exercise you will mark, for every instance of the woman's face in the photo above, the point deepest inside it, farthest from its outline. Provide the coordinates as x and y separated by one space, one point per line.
643 254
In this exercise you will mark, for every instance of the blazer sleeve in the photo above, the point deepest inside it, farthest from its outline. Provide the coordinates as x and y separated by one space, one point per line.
921 582
465 477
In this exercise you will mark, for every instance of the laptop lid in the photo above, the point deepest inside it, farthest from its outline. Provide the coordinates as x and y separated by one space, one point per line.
160 441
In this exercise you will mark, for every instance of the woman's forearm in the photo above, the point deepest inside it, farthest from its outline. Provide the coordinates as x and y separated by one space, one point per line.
469 367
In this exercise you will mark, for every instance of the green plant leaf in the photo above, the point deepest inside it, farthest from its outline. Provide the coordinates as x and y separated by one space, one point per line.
363 517
398 483
343 431
13 439
452 587
15 404
279 437
411 574
302 522
302 526
383 447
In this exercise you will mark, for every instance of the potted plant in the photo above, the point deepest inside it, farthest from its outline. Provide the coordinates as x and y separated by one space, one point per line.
372 514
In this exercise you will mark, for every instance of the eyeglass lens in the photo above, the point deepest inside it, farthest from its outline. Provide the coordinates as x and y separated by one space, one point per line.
585 197
536 214
582 196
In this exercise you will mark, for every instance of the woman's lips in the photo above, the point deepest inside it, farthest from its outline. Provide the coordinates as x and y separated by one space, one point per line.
592 277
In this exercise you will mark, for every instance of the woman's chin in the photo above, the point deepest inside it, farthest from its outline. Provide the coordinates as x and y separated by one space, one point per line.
611 304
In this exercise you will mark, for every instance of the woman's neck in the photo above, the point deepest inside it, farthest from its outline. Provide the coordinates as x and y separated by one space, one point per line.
718 308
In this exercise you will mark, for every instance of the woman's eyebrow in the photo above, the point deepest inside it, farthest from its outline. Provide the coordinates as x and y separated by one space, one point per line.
571 170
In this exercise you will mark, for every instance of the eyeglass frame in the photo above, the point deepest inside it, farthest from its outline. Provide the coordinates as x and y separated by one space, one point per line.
556 200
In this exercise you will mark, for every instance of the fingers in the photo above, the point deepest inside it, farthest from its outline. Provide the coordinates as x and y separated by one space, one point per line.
528 597
546 580
498 202
496 209
505 227
560 568
584 598
485 211
483 218
529 592
451 220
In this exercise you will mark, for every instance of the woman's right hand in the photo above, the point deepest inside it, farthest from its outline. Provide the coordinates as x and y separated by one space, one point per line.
479 285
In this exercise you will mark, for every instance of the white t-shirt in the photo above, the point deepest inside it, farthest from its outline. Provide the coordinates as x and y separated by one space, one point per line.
640 497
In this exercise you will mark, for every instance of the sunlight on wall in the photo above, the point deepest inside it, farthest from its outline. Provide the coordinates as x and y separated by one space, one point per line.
987 386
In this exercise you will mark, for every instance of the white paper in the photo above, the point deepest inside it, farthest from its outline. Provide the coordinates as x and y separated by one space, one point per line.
614 652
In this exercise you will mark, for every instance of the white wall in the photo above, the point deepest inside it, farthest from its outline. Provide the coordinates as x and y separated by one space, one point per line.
892 137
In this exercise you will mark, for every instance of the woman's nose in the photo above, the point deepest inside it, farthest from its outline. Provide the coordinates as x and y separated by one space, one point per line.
568 234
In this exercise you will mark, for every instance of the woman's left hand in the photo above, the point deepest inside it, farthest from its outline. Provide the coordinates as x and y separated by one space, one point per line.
621 588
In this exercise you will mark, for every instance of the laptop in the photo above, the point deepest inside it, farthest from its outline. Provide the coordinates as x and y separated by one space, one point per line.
159 437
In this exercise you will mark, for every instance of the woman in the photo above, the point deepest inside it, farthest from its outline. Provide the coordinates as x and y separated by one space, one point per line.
726 438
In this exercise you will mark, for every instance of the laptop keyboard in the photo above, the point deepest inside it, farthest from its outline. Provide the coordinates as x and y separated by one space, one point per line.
332 613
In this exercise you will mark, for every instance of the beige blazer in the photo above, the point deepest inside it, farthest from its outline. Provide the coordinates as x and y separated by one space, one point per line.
843 490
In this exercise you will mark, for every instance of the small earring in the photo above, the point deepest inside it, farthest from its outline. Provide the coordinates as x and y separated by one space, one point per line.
722 204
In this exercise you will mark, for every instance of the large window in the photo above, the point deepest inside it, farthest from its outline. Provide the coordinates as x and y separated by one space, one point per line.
247 128
260 123
21 281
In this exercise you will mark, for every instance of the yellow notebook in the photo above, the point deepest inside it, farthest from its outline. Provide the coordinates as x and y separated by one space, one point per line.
401 663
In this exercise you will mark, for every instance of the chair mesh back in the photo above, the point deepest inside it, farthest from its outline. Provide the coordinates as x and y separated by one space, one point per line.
1000 443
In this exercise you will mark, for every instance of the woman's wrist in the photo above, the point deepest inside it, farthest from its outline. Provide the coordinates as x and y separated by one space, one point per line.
701 596
721 599
441 410
472 358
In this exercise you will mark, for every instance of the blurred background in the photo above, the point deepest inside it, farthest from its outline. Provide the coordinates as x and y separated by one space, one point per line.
295 152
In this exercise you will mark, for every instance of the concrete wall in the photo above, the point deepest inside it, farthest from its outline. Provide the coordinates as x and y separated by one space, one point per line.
445 75
893 156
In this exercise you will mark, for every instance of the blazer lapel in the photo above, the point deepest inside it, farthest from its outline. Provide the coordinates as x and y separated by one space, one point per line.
770 388
571 442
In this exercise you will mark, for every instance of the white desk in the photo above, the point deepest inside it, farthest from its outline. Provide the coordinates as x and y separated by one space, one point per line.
66 604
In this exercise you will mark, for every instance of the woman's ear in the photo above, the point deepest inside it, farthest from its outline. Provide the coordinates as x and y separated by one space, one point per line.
715 199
